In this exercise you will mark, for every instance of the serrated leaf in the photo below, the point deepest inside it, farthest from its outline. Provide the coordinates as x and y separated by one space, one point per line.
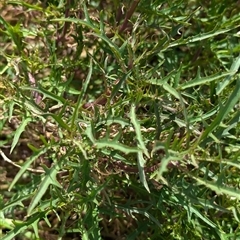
21 227
16 202
116 145
233 192
202 80
49 179
202 36
45 93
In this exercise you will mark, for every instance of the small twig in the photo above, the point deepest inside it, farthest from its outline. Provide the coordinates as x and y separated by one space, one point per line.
5 158
197 54
134 169
37 96
129 15
61 36
66 24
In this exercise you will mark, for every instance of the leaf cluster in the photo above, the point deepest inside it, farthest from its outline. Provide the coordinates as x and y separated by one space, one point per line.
119 119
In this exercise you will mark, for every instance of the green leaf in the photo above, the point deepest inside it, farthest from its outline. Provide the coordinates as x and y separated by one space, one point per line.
49 179
144 212
25 4
141 164
15 202
26 165
83 92
162 81
171 90
233 70
137 127
202 80
230 191
224 110
119 84
46 94
116 145
202 36
89 132
19 131
15 33
58 119
21 227
201 216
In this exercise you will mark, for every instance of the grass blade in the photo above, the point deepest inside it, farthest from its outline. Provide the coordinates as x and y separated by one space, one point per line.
233 70
223 112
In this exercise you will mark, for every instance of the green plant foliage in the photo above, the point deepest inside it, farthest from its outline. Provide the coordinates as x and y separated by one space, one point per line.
119 119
